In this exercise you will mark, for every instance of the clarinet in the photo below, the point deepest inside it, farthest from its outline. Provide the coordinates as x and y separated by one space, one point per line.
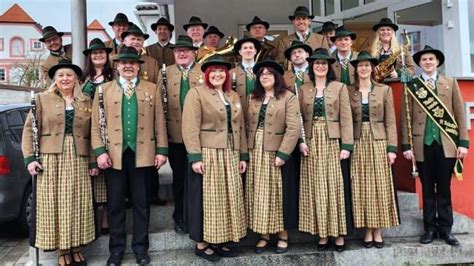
36 154
164 90
303 134
34 127
102 119
234 82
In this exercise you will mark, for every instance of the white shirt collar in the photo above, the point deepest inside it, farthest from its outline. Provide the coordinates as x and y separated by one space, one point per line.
117 41
300 36
247 65
163 44
342 58
302 68
123 81
426 77
198 44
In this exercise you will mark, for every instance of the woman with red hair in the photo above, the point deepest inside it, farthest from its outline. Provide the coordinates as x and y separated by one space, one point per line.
215 139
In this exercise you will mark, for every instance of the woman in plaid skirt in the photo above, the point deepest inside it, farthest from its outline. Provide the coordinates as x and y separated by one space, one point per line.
63 215
328 140
214 135
97 71
375 133
273 130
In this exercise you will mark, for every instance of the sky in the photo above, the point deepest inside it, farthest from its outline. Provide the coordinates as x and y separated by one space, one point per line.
57 12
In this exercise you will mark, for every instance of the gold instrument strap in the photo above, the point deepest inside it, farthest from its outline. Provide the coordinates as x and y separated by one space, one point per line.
435 109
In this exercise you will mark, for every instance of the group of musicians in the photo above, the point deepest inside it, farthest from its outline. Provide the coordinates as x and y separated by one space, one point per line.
293 133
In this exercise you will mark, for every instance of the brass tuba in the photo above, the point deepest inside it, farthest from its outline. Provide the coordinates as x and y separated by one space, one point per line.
228 48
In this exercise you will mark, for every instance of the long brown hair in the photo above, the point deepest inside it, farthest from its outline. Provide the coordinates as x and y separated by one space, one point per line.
356 75
279 88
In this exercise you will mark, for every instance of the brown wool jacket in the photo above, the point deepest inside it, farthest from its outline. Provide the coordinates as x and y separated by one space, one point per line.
337 112
282 124
174 119
161 54
205 122
315 40
450 94
51 61
151 128
50 109
337 67
381 113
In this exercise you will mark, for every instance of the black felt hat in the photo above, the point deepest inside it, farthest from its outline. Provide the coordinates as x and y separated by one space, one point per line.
327 27
64 63
184 41
342 32
120 18
428 49
215 60
256 20
96 44
321 54
245 39
268 63
385 22
364 56
128 53
214 30
295 45
134 30
301 11
194 21
49 32
162 22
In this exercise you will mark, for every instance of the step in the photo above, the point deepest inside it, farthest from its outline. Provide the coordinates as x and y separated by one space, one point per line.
397 251
165 239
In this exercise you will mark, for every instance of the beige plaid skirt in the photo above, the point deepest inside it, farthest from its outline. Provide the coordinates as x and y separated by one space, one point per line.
223 199
373 194
64 210
264 196
322 209
99 188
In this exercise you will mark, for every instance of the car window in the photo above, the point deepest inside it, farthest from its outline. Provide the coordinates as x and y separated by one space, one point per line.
14 125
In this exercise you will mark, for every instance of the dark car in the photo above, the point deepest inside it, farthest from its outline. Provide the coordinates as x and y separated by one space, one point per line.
15 181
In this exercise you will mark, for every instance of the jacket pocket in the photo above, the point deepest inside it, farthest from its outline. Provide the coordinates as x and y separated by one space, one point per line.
208 130
45 135
280 133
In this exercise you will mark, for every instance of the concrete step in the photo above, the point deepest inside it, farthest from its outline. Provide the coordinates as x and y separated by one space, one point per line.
165 239
397 251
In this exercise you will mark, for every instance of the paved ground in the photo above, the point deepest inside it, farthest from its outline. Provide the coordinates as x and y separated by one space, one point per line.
13 245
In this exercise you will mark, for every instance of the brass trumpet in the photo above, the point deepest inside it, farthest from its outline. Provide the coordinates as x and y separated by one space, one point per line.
228 48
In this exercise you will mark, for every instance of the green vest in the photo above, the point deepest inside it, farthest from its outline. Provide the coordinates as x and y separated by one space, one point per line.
129 121
345 76
432 132
249 83
184 87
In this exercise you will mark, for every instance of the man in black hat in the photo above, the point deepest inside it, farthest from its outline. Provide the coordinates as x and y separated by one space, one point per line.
258 29
343 39
212 38
297 54
119 25
440 141
137 144
329 30
161 50
195 30
57 52
181 76
301 20
134 37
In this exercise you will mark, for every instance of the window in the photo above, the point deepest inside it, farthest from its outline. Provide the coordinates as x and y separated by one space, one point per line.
316 4
368 1
1 44
415 41
329 6
36 45
3 75
348 4
17 47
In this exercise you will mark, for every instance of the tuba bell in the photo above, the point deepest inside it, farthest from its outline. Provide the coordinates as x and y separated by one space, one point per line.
227 49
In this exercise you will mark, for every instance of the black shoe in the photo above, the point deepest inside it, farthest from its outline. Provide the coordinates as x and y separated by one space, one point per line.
260 250
378 244
323 247
428 237
280 250
104 231
142 259
224 251
158 202
202 253
340 248
179 229
368 244
115 260
450 239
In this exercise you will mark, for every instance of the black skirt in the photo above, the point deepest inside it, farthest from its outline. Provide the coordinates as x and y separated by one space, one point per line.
290 173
